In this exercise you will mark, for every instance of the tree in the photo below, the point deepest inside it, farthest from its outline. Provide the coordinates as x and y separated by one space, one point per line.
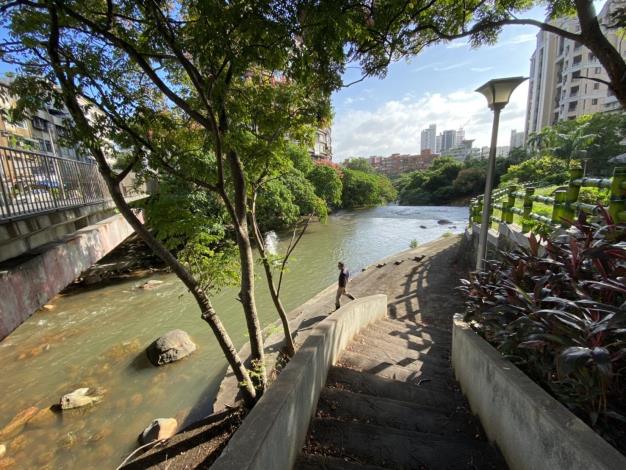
383 31
469 181
360 164
362 189
540 170
327 183
235 79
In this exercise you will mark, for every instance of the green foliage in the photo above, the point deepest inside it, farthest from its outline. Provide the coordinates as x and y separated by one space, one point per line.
362 189
594 196
469 181
540 170
283 201
414 243
327 183
595 138
359 164
300 158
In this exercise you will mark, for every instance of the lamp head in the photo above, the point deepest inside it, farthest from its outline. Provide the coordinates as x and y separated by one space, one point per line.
499 91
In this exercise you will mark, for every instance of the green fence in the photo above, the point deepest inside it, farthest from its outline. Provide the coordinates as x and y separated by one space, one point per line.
564 204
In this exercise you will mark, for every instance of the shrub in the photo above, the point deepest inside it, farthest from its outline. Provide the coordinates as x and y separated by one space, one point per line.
544 170
562 318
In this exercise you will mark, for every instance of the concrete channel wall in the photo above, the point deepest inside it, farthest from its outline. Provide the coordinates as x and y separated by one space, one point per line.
532 429
274 432
29 283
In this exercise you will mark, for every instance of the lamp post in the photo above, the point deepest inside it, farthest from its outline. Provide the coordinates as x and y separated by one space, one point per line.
498 92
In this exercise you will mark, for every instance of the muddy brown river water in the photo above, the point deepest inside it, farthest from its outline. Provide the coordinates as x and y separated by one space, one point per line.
97 338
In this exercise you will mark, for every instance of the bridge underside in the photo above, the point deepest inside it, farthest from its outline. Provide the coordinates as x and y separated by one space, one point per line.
31 279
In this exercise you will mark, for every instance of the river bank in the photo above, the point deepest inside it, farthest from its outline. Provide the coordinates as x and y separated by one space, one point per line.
97 337
186 449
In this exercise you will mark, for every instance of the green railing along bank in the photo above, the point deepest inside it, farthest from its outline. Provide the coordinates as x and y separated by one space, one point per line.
565 204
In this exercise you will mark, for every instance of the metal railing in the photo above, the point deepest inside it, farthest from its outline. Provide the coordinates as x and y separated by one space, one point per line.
564 205
34 183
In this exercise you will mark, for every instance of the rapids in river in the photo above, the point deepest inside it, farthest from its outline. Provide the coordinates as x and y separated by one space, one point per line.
97 337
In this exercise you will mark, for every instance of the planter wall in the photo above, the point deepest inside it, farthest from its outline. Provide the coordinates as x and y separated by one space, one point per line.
532 429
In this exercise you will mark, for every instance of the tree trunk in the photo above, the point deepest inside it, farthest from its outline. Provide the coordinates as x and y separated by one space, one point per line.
69 94
246 294
598 43
290 348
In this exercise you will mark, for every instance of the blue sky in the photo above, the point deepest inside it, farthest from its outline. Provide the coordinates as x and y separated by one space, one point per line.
380 117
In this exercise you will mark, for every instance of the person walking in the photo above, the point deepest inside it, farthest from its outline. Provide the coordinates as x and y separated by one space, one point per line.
344 277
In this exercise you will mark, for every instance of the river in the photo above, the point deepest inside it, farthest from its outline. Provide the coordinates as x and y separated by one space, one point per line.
96 338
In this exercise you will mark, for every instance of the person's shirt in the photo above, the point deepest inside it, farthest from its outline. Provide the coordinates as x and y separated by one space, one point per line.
344 275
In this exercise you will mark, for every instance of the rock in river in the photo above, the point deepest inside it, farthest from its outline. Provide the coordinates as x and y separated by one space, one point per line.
161 428
17 423
170 347
444 222
78 398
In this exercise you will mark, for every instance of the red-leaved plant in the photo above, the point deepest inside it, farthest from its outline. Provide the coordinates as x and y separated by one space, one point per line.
558 310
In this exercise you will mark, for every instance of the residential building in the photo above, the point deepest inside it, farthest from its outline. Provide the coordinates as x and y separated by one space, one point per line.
397 163
448 140
462 152
42 131
517 139
563 75
429 138
501 151
322 148
438 143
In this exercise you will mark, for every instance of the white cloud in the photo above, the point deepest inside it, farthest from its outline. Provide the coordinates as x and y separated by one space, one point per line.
481 69
521 38
457 43
394 126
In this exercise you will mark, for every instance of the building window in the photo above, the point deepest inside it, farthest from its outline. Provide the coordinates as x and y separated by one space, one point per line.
19 124
591 57
573 91
598 70
39 124
577 60
576 75
572 106
596 86
594 101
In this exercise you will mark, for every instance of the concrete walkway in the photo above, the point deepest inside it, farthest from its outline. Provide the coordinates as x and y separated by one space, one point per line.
392 401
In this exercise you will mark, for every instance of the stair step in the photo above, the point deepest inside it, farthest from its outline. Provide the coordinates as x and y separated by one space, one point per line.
419 327
412 342
401 449
327 462
349 406
397 353
404 371
419 337
426 394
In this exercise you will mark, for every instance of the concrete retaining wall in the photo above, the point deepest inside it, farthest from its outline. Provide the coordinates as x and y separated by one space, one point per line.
27 285
532 429
274 432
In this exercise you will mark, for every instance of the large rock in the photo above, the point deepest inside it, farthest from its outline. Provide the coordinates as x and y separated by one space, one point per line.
161 428
79 398
444 222
170 347
17 423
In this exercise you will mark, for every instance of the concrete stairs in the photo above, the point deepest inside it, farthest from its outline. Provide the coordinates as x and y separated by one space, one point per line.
391 402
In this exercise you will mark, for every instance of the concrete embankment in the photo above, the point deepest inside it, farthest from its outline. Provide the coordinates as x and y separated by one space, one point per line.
29 281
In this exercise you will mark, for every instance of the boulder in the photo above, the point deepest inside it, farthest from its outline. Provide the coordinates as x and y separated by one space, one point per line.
161 428
444 222
79 398
3 450
423 226
18 422
170 347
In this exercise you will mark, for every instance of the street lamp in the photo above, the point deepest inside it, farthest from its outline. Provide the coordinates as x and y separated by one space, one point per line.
498 92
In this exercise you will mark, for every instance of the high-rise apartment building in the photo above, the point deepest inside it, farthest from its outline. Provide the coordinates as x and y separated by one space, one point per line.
460 137
429 138
517 139
438 143
448 140
561 83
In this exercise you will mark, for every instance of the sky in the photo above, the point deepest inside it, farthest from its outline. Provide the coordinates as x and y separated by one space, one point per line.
385 116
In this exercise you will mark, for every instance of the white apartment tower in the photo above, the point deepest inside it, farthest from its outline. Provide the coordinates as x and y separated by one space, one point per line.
560 71
429 138
517 139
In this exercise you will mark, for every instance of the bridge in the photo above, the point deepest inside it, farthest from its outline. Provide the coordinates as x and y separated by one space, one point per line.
56 219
